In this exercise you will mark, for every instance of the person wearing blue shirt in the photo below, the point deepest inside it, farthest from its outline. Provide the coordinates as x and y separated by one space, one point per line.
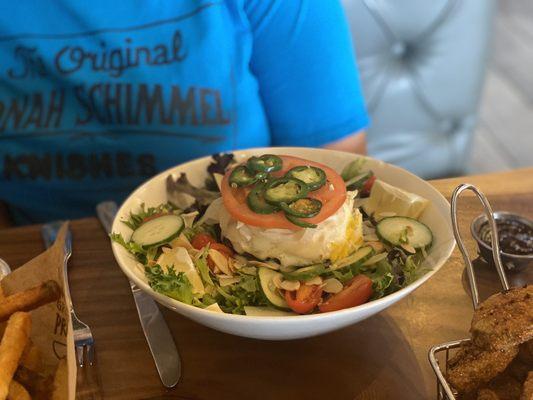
96 97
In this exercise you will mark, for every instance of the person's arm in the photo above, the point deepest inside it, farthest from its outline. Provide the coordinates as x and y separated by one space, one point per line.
5 219
353 143
303 59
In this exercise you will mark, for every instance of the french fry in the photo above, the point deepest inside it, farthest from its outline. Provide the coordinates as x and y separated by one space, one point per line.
32 358
12 345
17 392
60 389
29 299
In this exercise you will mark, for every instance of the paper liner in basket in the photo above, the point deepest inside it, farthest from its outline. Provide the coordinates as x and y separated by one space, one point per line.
51 323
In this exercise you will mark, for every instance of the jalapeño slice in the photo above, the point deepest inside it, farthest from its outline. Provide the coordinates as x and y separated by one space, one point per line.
242 176
302 208
265 163
257 203
285 190
299 222
313 177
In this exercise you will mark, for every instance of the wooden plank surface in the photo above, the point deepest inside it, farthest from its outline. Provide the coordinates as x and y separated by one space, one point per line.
384 357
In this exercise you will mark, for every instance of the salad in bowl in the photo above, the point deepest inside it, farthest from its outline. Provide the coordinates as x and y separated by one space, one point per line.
278 236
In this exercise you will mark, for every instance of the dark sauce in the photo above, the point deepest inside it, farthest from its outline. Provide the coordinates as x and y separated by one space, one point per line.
515 236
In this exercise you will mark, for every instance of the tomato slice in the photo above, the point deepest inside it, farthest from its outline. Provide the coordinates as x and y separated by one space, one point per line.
305 299
368 185
200 240
357 291
332 195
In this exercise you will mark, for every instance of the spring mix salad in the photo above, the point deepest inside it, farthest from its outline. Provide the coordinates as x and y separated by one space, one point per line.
279 235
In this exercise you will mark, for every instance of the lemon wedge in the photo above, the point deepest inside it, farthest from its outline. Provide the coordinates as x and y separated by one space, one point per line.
387 200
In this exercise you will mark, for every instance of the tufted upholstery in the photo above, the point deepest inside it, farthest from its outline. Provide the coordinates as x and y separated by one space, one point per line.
422 65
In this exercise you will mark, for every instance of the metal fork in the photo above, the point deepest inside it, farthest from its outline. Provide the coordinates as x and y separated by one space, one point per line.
83 337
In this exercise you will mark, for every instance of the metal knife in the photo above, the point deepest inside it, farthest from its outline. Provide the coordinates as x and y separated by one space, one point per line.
158 336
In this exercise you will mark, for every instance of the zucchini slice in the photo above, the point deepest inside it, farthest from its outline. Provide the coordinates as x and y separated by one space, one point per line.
404 230
305 273
266 276
158 231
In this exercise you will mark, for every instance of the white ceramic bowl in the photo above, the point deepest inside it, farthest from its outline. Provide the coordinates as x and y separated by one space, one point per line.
153 193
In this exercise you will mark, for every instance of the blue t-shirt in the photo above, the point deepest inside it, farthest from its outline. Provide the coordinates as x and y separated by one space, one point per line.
97 96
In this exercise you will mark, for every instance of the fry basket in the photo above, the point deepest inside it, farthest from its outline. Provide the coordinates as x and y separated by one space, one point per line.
440 354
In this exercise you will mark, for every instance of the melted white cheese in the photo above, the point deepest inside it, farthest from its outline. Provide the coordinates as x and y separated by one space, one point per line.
291 248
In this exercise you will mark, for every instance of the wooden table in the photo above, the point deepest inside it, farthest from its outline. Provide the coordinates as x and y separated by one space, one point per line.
384 357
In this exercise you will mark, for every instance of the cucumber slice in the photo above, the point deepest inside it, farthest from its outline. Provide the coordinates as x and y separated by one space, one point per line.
158 231
266 312
354 260
404 230
266 276
305 273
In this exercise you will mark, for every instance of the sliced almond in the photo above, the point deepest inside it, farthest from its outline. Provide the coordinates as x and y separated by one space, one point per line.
377 246
332 285
267 264
408 248
290 285
375 259
277 281
317 280
248 270
220 261
238 262
188 219
370 238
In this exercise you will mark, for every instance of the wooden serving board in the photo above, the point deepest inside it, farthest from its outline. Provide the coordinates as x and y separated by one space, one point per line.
384 357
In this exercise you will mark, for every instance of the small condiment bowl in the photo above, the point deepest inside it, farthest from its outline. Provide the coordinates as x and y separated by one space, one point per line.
511 261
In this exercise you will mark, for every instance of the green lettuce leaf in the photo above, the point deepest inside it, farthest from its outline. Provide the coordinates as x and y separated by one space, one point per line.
132 247
136 219
176 286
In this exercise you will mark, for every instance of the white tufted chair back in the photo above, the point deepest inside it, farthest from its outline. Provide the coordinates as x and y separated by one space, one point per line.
422 65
